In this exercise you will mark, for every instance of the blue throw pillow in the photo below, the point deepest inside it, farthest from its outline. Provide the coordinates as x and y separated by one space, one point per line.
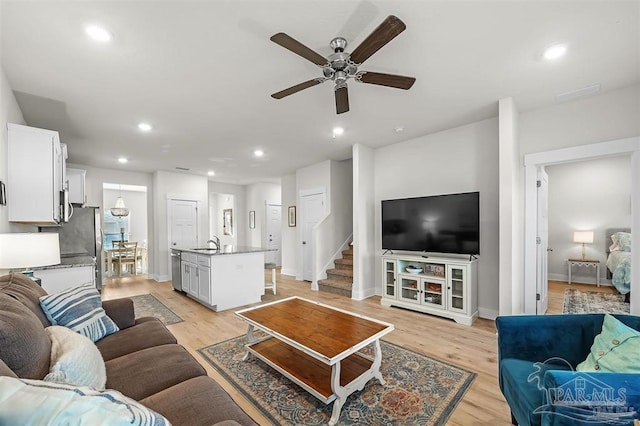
80 309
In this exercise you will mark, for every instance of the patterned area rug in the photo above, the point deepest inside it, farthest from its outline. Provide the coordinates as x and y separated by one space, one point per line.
146 305
593 302
419 390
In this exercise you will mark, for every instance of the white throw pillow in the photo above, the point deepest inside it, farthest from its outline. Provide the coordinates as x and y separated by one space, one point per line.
34 402
75 359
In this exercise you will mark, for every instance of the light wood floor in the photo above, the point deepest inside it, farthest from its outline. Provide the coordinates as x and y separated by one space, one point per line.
472 348
556 293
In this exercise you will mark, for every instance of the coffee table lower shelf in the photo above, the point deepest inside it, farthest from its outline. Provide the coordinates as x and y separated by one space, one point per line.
306 371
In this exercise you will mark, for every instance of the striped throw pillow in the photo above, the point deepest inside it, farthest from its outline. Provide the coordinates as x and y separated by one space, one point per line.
80 309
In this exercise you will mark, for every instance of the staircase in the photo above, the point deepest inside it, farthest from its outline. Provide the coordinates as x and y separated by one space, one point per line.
340 279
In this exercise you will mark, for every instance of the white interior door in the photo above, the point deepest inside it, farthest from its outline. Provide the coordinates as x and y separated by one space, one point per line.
273 231
184 224
311 211
542 280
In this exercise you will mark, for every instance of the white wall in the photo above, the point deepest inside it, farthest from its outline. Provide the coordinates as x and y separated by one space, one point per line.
510 227
314 177
335 231
217 204
586 196
239 207
258 195
9 113
288 236
610 116
462 159
364 225
168 185
94 180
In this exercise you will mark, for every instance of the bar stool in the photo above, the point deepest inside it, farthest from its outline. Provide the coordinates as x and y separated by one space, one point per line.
271 285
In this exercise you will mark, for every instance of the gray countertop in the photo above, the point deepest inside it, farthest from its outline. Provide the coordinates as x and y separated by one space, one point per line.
70 262
226 249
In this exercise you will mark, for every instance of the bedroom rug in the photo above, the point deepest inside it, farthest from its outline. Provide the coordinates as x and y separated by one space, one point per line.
146 305
418 390
593 302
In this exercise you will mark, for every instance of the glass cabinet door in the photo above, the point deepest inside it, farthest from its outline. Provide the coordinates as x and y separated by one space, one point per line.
409 288
456 288
389 278
433 293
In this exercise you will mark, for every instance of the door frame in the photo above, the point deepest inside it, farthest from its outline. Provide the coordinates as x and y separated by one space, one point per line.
179 197
299 222
532 162
542 277
265 229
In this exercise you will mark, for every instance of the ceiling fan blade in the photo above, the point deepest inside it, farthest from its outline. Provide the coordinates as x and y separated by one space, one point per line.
386 31
298 87
298 48
389 80
342 100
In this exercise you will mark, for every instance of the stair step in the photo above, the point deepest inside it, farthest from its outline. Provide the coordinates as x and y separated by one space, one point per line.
344 262
340 274
336 287
347 254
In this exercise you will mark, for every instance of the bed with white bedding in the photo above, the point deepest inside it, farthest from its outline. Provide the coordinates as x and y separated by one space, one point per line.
619 259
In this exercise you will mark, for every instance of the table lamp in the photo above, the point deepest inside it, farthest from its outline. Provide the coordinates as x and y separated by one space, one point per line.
583 237
28 250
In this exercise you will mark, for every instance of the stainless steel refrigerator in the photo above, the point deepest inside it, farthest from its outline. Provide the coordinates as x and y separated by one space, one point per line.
80 237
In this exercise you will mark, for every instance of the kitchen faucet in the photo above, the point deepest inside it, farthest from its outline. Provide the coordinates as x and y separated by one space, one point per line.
215 241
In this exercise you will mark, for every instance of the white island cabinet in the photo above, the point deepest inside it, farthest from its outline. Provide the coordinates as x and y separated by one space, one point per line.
223 279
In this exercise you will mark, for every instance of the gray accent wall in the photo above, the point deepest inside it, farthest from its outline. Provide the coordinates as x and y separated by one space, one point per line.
462 159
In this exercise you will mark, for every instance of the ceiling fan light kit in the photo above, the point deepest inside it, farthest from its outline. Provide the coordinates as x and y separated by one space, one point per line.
341 66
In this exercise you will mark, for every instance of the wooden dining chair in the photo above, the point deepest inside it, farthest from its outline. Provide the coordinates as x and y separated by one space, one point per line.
126 257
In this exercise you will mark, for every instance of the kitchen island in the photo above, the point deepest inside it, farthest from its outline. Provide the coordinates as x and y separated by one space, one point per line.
223 279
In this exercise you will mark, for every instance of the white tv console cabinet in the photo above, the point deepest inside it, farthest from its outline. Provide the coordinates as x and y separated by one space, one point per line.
446 287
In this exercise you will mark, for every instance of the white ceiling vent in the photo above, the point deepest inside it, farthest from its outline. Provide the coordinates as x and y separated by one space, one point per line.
185 169
580 93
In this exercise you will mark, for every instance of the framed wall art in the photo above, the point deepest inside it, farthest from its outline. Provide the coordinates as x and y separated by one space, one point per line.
227 221
291 214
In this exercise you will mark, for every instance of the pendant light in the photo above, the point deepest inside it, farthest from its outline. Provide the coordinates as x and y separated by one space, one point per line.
120 210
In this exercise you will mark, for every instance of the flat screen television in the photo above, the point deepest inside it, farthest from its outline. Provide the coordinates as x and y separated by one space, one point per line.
438 224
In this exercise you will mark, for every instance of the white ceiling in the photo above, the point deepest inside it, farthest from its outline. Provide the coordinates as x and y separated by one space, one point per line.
201 73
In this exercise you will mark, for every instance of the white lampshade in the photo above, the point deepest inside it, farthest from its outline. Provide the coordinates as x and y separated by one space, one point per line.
583 237
28 250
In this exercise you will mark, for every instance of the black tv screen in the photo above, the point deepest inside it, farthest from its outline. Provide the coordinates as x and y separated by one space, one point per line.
440 224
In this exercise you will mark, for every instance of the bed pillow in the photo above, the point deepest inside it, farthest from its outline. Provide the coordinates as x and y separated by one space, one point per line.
616 349
75 359
35 402
80 309
621 242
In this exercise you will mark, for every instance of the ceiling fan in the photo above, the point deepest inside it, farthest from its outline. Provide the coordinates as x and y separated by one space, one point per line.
340 66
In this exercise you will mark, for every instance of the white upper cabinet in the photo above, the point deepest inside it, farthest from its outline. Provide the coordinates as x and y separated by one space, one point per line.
36 187
76 178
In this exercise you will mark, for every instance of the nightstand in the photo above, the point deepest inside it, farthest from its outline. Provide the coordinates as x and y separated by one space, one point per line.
589 263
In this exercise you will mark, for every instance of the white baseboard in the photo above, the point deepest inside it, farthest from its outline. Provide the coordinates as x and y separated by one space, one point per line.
487 313
363 294
159 278
288 272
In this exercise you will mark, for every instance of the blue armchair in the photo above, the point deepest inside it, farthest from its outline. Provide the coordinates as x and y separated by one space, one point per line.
537 356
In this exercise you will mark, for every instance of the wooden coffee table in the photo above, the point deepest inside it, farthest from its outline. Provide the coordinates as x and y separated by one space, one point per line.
317 347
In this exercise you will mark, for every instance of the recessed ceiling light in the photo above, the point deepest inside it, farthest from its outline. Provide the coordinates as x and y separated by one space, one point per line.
144 127
399 129
211 173
258 153
554 52
122 160
337 131
98 33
